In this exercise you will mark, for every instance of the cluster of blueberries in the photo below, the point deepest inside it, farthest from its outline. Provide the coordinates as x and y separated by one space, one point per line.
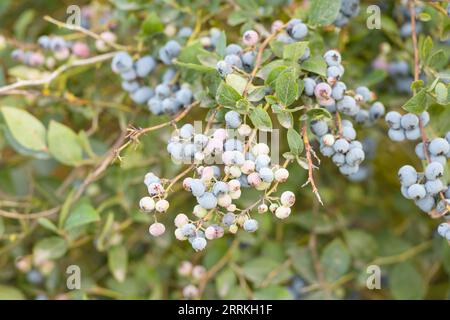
348 10
167 97
345 152
405 126
194 273
155 202
53 49
427 189
215 191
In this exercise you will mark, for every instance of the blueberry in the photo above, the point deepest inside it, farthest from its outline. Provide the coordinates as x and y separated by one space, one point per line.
198 243
224 68
354 156
187 131
262 161
234 60
341 145
44 42
142 95
338 159
299 31
162 91
144 66
188 230
233 49
419 151
424 118
233 144
396 134
207 200
444 227
439 147
362 116
338 90
155 106
121 62
185 32
173 48
393 119
228 219
233 119
319 127
376 111
184 96
350 8
305 55
409 121
266 174
128 75
334 72
413 134
248 60
291 24
250 225
332 58
407 175
417 191
326 150
348 170
426 204
364 92
130 86
197 187
433 187
348 106
220 187
348 133
169 75
309 85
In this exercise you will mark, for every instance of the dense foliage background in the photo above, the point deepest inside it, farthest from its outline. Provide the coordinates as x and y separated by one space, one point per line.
59 209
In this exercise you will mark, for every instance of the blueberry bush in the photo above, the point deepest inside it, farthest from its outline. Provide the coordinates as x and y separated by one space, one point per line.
225 149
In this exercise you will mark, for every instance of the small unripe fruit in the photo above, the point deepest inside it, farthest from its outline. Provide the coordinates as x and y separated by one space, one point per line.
262 208
180 220
273 207
147 204
250 38
281 175
287 198
282 212
162 205
185 268
157 229
199 211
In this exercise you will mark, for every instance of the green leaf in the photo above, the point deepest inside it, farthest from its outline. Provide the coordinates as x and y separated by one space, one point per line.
441 93
46 223
64 144
285 119
426 48
152 24
118 262
258 269
315 64
335 260
361 244
227 96
236 82
274 74
10 293
221 44
418 103
303 263
318 113
286 88
256 94
295 141
225 280
294 51
49 249
406 283
83 213
261 119
194 66
438 59
324 12
28 131
272 293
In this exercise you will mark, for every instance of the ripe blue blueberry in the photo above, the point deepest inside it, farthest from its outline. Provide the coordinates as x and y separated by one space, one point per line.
364 92
234 60
299 31
155 106
319 127
338 90
425 204
144 66
250 225
224 68
376 111
397 135
409 121
417 191
233 119
198 243
439 147
433 187
207 200
233 49
142 95
341 145
407 175
332 58
130 86
121 62
393 119
184 96
309 84
266 174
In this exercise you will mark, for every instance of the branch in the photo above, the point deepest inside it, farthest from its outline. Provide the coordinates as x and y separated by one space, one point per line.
50 77
309 151
87 32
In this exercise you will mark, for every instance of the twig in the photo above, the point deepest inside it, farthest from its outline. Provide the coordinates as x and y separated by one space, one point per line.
308 151
29 216
216 268
50 77
87 32
134 134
